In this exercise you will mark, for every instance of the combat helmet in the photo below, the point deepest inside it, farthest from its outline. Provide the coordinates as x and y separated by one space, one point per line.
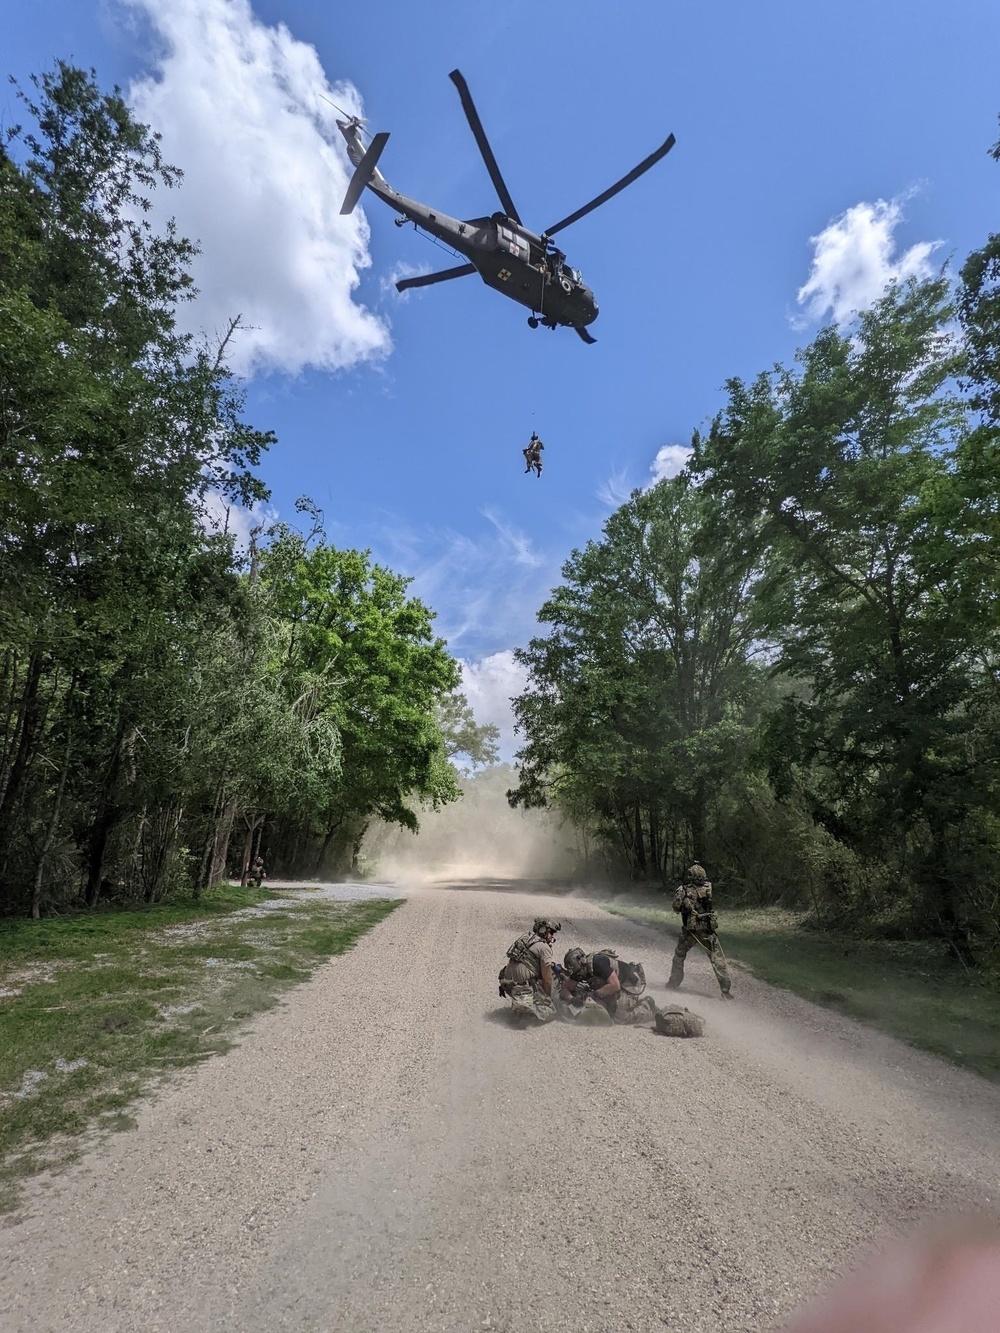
574 960
696 874
542 925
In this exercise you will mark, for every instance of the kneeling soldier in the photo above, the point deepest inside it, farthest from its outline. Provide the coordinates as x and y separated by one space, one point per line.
526 977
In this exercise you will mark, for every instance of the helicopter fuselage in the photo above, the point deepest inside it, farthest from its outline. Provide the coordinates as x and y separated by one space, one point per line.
507 256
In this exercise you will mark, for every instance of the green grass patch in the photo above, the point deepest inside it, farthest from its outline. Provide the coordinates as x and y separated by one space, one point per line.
95 1010
909 988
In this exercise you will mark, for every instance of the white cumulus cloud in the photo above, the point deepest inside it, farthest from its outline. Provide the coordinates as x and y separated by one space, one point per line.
240 108
489 684
855 259
670 460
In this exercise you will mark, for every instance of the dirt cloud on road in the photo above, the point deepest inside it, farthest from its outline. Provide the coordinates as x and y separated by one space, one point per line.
479 837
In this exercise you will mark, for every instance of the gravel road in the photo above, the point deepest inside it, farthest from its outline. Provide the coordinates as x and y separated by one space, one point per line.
384 1153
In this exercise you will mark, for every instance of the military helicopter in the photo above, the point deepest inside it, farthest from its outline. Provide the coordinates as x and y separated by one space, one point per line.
521 264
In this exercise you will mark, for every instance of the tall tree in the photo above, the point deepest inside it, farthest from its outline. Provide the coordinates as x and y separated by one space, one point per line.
842 464
364 654
112 429
640 697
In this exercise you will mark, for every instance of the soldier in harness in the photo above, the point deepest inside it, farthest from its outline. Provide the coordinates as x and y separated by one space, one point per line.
533 455
615 985
699 924
526 977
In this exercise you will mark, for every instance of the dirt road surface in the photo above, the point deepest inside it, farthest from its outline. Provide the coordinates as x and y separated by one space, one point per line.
384 1153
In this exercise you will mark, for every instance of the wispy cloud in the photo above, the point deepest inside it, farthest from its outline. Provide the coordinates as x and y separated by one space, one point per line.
615 490
240 108
855 259
516 542
396 274
485 586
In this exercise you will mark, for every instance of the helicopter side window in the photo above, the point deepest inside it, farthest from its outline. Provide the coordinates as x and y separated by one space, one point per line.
513 243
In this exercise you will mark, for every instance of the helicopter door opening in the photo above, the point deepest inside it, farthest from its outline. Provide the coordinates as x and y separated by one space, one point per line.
514 244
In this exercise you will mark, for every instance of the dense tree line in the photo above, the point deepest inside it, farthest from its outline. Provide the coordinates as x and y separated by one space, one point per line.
786 661
166 704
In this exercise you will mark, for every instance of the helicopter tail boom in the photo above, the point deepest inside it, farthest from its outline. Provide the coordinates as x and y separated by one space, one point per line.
364 171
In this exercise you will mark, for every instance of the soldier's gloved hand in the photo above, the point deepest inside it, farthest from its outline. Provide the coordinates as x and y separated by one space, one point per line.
581 991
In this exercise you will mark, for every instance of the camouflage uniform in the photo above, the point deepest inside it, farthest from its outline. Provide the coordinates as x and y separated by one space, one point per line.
693 900
257 872
521 977
624 1007
533 455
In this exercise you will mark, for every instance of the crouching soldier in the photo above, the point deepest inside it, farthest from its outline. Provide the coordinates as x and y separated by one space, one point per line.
699 924
615 985
526 977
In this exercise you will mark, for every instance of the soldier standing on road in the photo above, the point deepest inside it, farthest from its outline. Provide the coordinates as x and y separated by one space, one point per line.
599 976
699 925
257 871
526 977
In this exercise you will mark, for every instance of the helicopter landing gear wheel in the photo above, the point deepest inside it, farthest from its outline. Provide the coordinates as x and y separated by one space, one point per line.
532 321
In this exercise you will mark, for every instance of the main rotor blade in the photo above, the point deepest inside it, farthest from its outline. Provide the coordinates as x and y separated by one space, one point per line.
427 279
476 125
364 171
633 175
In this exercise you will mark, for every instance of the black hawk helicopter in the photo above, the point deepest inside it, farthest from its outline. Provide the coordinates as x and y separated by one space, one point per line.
508 257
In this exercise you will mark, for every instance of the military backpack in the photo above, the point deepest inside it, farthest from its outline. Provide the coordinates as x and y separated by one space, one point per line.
673 1021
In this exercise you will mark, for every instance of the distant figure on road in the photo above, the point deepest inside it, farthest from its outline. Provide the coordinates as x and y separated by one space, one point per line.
699 925
257 872
615 985
526 977
533 454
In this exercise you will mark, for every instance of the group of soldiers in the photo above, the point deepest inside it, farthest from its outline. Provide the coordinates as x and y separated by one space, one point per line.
602 988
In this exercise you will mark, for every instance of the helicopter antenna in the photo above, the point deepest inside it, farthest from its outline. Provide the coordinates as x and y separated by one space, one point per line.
359 119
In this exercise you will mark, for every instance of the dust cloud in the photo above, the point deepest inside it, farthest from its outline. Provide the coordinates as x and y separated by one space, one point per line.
478 837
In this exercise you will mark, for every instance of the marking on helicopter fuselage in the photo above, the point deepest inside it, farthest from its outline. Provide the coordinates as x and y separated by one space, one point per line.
504 275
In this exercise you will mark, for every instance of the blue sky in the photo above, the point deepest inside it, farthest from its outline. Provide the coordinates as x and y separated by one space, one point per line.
825 147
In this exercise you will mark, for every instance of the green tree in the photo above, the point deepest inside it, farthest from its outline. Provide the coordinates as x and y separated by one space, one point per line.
463 735
845 466
641 696
112 430
363 652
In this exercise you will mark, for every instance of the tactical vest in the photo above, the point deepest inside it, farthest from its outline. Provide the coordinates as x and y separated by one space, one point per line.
693 914
520 952
631 976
